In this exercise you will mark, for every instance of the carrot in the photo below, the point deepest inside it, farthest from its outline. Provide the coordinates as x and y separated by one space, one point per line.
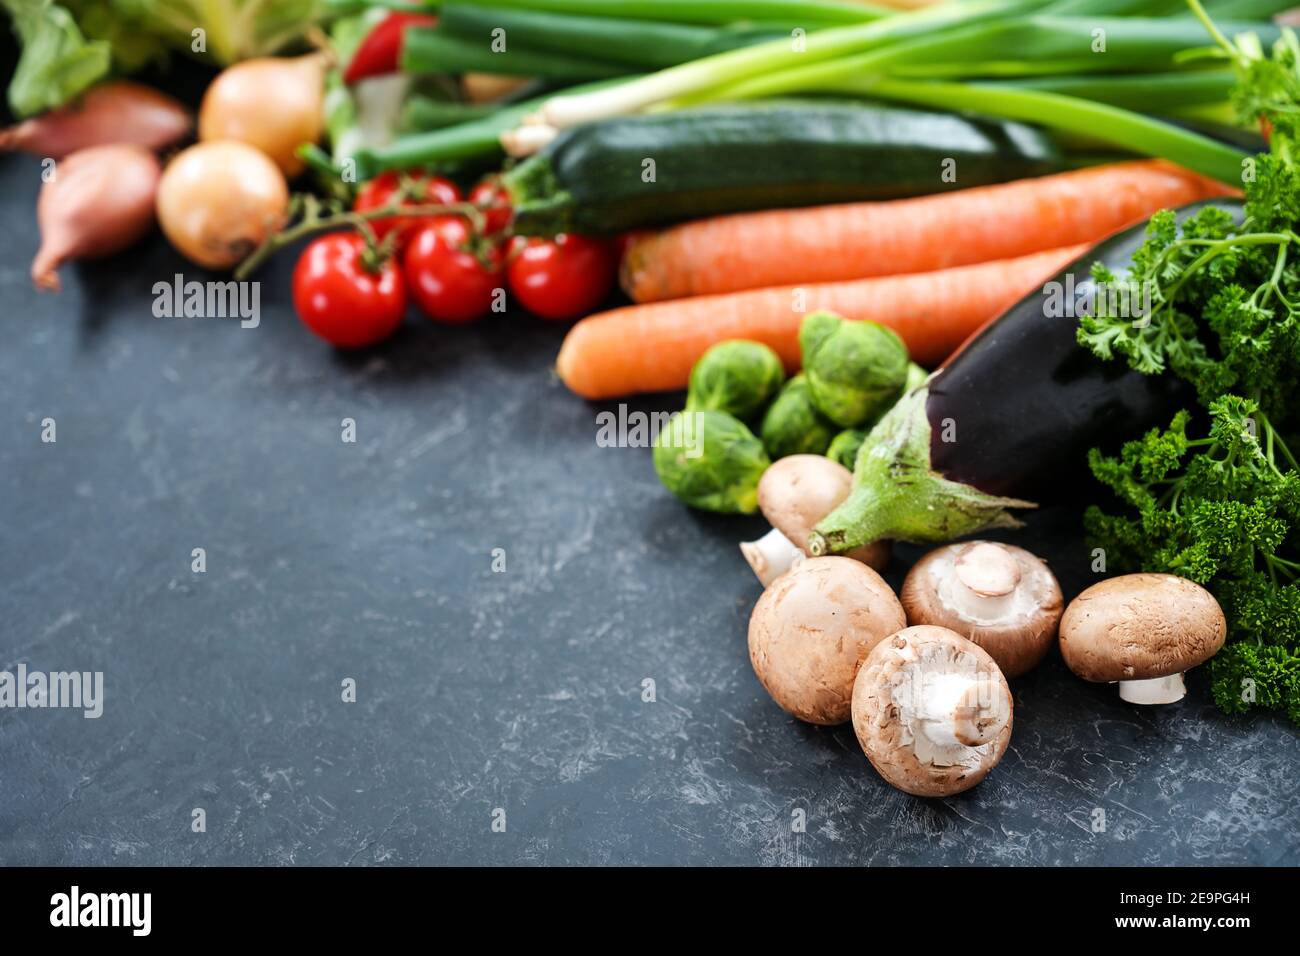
652 347
859 240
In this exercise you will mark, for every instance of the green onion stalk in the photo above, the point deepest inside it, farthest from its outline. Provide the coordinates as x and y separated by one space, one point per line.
1122 128
707 12
566 110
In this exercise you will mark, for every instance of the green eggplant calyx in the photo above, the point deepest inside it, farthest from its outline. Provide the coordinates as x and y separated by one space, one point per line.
898 496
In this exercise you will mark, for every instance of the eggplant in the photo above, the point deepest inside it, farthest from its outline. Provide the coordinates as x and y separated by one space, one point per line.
1012 412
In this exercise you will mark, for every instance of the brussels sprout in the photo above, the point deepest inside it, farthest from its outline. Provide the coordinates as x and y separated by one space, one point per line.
737 377
711 460
844 447
855 370
793 426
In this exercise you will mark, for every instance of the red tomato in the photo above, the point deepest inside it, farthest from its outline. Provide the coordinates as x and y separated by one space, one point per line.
490 196
340 300
380 51
379 192
450 279
564 277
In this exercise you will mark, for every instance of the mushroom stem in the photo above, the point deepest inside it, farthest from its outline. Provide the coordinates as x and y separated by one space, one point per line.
770 556
1157 690
957 710
987 570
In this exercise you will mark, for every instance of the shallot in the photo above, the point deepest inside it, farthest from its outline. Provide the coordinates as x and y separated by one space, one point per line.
116 112
96 202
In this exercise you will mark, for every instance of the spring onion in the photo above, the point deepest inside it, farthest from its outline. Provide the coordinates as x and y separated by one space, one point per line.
433 50
639 44
738 65
710 12
1162 93
1123 128
465 142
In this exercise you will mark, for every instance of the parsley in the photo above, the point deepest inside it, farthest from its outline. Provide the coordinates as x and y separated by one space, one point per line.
1215 497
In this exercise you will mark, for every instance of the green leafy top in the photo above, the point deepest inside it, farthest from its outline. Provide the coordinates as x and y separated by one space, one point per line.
57 61
1215 497
1224 311
69 45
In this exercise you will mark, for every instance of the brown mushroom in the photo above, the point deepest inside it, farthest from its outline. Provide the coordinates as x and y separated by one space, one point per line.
1144 631
999 596
794 494
811 629
932 711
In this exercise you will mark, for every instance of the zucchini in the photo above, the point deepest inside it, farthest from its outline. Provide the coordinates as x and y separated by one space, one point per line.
735 157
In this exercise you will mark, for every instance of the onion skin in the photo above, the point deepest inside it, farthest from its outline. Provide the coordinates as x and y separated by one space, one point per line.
99 201
217 201
273 103
116 112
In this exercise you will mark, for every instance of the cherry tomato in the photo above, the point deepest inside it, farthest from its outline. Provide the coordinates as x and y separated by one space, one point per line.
490 196
340 300
379 192
564 277
452 276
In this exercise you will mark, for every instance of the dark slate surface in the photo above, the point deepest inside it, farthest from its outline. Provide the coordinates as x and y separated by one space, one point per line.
476 690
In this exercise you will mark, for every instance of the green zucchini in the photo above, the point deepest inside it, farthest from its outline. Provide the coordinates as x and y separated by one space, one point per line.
655 169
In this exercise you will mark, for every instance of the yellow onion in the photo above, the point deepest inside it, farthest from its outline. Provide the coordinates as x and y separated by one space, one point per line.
217 201
273 103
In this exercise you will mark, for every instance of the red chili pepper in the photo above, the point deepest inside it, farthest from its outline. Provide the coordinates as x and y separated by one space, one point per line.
381 51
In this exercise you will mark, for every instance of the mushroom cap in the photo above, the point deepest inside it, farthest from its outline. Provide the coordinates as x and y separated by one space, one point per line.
811 629
798 491
1003 598
885 695
1141 626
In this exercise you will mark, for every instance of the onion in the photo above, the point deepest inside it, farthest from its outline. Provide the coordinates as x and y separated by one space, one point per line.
117 112
272 103
99 201
217 202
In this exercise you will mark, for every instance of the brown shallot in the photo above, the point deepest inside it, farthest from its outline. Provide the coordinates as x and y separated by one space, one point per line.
97 201
115 112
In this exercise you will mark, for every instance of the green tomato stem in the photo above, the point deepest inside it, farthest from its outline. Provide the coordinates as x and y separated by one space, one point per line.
313 222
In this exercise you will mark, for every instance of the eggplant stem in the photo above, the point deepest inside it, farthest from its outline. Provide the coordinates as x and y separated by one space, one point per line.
898 495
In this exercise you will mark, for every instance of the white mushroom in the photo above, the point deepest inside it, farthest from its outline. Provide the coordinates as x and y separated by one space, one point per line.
932 711
1144 631
811 629
794 494
999 596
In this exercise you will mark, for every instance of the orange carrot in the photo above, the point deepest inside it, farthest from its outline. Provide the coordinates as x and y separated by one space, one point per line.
652 347
859 240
